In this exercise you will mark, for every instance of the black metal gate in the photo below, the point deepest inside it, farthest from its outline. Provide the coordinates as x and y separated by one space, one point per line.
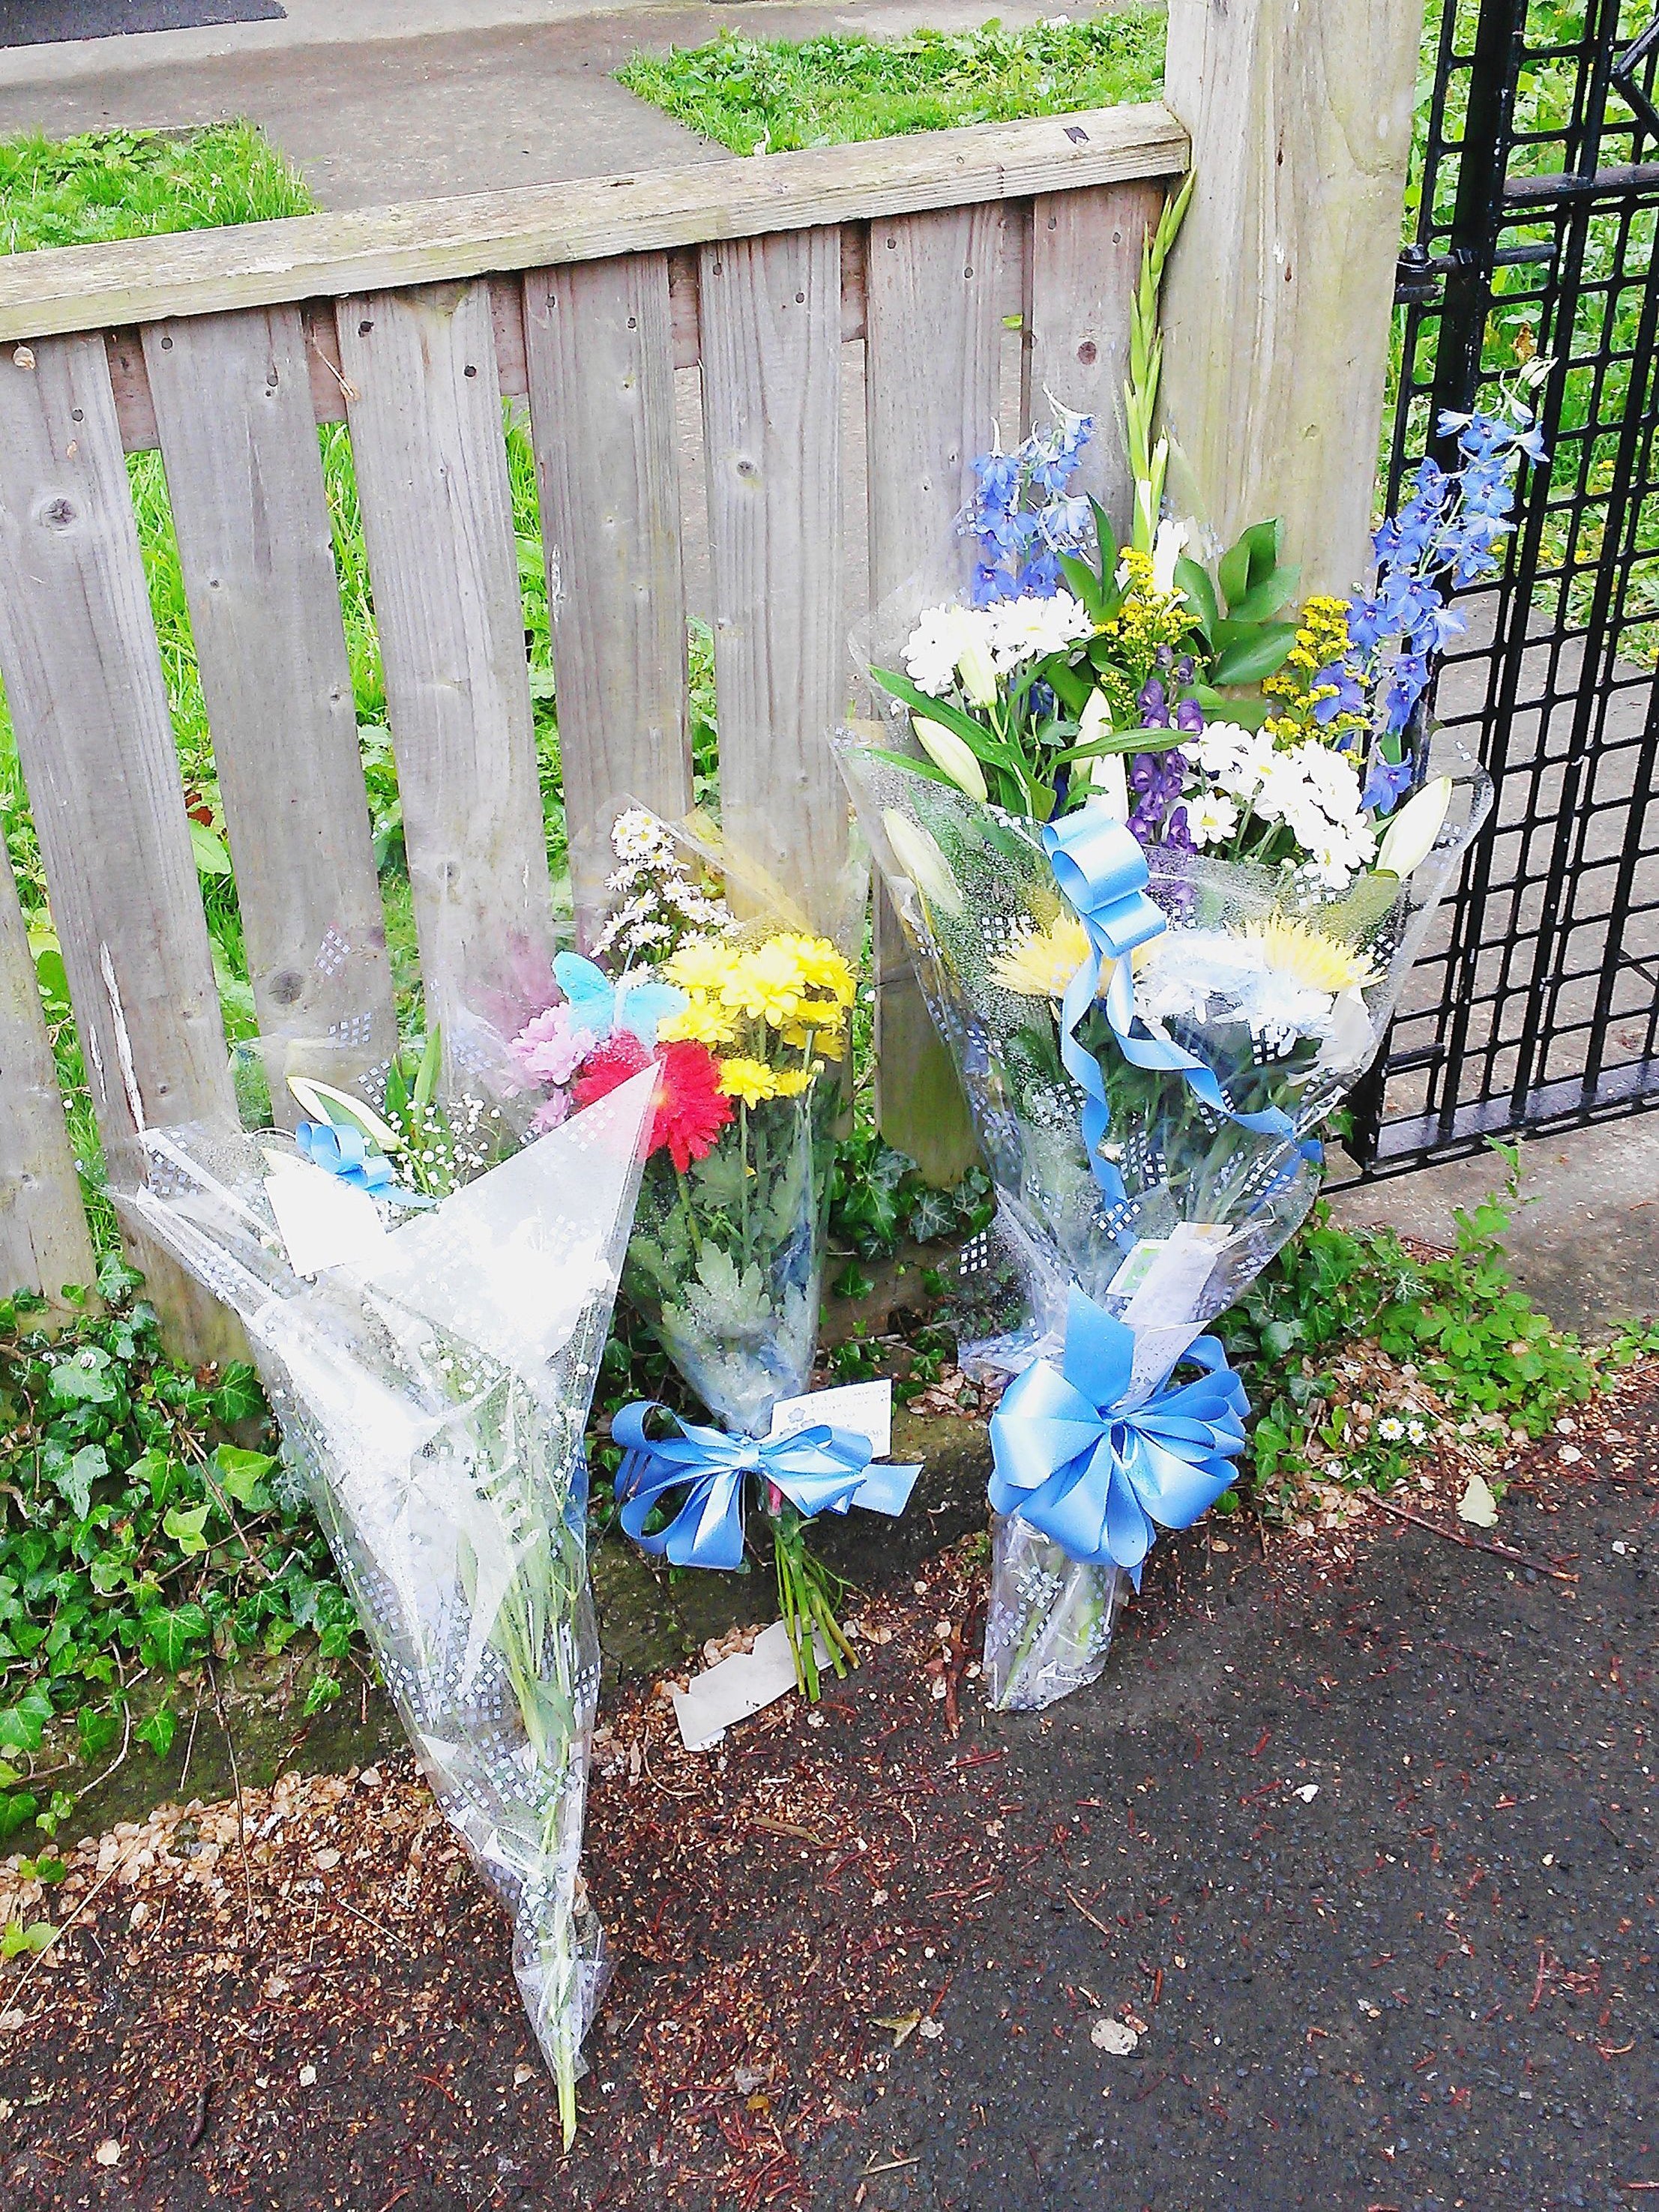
1537 1005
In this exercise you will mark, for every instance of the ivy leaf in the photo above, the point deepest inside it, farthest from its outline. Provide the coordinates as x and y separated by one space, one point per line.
183 1524
158 1731
22 1724
240 1473
171 1634
97 1731
238 1397
85 1380
76 1477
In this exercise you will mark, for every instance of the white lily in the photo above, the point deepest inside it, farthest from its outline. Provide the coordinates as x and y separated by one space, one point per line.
977 668
1107 771
312 1096
920 859
952 755
1168 547
1409 838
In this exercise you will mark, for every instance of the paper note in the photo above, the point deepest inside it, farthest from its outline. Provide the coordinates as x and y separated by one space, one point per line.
325 1222
865 1408
736 1688
1171 1288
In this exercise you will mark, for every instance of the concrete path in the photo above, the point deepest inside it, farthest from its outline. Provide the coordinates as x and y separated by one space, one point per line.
377 102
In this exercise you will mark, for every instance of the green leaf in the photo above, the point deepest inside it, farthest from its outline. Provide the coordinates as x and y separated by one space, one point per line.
17 1937
172 1634
972 733
86 1380
239 1396
915 763
208 847
89 1465
240 1473
158 1731
1193 577
1105 541
185 1523
1253 658
426 1075
1268 597
97 1731
323 1692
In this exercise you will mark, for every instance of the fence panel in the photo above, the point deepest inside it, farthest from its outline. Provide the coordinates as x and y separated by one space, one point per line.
43 1231
423 403
599 354
233 403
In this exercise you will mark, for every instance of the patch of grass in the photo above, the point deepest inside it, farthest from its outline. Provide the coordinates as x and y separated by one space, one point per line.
824 91
132 184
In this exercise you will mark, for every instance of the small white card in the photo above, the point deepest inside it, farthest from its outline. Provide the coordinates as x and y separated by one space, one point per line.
325 1222
865 1408
734 1688
1169 1291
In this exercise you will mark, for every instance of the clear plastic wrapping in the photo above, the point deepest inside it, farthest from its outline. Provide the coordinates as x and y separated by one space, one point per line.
432 1393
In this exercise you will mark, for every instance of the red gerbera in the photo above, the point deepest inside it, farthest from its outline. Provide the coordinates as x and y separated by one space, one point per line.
691 1108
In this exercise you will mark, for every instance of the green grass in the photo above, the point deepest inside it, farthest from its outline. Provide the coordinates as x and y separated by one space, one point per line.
131 184
824 91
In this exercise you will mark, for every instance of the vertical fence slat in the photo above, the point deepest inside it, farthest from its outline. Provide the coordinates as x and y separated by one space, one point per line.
83 682
245 478
425 412
1085 258
44 1243
771 380
933 332
599 354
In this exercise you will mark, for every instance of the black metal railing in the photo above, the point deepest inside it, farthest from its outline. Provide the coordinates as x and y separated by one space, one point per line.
1536 202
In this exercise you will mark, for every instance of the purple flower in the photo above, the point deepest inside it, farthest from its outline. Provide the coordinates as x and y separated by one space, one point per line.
1152 704
1189 716
1347 698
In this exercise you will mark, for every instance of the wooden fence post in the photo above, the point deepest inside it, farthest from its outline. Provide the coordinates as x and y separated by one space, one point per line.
43 1231
1279 294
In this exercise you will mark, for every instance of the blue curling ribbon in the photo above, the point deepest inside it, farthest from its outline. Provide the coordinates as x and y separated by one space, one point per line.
819 1470
1100 867
1101 1476
342 1152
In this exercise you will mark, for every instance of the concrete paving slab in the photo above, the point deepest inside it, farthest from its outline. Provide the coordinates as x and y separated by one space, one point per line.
1585 1244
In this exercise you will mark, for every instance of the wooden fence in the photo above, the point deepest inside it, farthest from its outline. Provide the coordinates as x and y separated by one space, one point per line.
226 348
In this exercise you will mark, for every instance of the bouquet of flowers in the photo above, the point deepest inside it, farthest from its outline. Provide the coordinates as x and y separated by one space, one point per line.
1164 854
745 1023
426 1302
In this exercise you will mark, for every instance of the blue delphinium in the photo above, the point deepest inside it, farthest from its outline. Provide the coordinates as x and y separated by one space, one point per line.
1020 516
1446 535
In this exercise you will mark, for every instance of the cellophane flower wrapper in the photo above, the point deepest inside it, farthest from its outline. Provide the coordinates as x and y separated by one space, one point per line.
1228 981
433 1396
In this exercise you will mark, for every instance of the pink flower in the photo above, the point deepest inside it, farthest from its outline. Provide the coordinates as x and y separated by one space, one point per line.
549 1048
551 1113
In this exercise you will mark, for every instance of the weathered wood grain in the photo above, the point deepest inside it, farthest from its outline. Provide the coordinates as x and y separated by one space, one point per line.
425 415
1279 294
934 292
601 376
306 257
83 684
233 401
44 1244
771 344
1085 259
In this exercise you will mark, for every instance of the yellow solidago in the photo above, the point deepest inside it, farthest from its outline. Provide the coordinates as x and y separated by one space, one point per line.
1319 963
750 1080
701 1021
1322 641
1041 963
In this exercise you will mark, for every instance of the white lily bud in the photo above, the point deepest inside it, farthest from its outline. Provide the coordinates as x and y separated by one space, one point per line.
1409 838
920 858
1107 771
977 668
952 755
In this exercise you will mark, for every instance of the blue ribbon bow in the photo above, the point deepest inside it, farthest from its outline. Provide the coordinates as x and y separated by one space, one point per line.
819 1470
1100 1475
602 1007
344 1151
1100 867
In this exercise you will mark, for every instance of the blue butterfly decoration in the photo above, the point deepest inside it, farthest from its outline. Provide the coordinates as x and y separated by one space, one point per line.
602 1007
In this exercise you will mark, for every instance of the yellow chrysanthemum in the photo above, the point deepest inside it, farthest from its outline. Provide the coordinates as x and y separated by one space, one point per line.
822 968
766 983
701 1021
750 1080
1041 963
702 963
1321 962
790 1082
